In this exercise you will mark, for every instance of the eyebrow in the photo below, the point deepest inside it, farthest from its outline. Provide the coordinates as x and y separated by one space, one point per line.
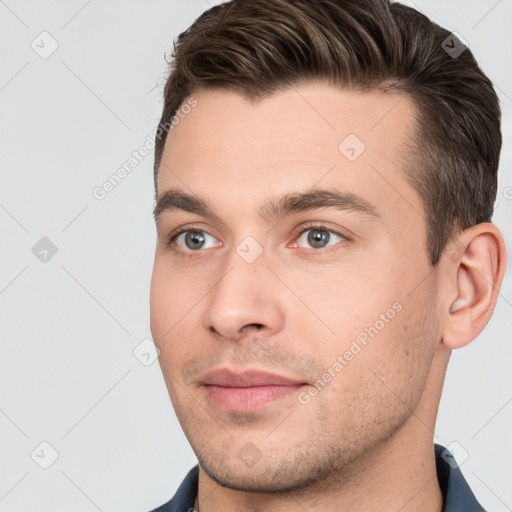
272 208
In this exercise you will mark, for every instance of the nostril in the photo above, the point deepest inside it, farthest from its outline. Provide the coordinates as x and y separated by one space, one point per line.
250 327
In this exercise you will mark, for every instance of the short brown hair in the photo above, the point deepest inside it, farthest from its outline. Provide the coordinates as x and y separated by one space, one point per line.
258 47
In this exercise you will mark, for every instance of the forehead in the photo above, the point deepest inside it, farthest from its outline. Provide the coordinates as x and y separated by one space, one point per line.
294 116
292 140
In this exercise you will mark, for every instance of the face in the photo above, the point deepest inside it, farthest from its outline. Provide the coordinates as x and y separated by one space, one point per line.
292 298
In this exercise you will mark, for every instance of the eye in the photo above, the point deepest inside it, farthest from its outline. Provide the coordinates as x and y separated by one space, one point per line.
193 240
190 240
319 237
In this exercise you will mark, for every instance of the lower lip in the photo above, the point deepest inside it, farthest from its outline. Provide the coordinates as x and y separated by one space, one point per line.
248 399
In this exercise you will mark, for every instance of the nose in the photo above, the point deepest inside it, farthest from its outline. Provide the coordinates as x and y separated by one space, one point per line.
244 301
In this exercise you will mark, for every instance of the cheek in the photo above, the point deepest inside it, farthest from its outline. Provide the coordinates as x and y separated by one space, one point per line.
399 358
173 294
340 305
172 313
382 381
378 323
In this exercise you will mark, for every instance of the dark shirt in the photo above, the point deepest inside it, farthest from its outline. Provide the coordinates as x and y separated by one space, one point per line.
457 496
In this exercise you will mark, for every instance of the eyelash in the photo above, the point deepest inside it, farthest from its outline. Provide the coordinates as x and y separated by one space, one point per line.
316 226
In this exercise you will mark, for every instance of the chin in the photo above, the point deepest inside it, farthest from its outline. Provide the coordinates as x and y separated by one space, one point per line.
275 475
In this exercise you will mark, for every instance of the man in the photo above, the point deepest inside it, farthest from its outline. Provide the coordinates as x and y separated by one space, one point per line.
324 202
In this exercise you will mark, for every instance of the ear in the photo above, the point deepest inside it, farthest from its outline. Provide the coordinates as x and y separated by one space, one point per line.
473 270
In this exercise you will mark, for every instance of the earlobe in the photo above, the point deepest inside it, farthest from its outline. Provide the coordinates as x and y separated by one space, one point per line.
475 279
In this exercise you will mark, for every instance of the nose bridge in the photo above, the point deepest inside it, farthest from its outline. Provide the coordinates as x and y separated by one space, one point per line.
242 295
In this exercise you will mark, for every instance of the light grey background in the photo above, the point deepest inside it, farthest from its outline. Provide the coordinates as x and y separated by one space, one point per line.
69 326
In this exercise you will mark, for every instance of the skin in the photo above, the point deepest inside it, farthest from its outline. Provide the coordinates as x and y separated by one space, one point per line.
365 441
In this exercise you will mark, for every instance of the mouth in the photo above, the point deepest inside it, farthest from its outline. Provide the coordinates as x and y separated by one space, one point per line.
249 390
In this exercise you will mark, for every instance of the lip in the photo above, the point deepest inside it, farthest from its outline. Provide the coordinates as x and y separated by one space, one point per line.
246 379
247 391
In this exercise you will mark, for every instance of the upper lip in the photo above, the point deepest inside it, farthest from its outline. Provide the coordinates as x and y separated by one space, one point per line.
246 379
